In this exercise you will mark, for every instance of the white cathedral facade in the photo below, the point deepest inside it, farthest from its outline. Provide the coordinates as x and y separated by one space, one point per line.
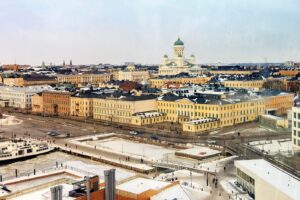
179 64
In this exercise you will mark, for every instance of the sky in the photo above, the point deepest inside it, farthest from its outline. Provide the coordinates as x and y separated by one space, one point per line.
142 31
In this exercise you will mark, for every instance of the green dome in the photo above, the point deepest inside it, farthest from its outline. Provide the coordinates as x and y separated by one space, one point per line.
178 42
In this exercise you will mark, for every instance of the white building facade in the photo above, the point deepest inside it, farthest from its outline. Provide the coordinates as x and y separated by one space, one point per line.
262 180
20 97
296 128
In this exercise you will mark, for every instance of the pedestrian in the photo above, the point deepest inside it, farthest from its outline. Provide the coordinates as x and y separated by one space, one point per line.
224 168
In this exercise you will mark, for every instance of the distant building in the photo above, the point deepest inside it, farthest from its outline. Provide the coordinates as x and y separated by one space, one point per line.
296 127
161 81
14 67
131 74
28 80
263 180
82 79
248 84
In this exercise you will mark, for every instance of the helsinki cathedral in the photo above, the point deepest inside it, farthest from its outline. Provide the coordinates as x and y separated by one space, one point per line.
179 64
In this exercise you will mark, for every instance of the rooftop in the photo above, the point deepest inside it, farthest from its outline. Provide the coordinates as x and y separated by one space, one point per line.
140 185
284 182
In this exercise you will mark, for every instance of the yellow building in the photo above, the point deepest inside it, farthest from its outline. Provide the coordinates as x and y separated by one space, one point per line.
232 72
13 81
279 103
251 84
37 103
151 117
84 78
29 80
118 108
289 72
81 106
131 74
274 121
229 112
159 82
200 125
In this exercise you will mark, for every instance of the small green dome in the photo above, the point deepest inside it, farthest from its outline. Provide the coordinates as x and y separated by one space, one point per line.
178 42
192 56
165 56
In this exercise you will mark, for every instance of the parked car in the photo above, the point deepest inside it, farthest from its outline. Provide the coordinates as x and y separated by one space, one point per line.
154 137
133 133
52 133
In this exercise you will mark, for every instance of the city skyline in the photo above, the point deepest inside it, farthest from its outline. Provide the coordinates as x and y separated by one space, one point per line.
143 31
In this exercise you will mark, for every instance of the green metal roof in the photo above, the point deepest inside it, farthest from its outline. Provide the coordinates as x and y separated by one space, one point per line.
178 42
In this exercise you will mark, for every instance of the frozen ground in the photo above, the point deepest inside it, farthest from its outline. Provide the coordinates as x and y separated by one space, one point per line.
273 147
131 147
200 151
194 185
234 191
216 165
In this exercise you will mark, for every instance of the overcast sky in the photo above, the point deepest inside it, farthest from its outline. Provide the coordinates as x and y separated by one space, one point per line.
142 31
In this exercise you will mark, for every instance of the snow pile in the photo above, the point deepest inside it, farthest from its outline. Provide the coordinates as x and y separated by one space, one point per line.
10 120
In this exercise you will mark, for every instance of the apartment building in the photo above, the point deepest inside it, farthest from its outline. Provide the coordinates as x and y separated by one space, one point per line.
247 84
160 81
56 103
296 127
20 97
121 107
84 78
82 105
229 112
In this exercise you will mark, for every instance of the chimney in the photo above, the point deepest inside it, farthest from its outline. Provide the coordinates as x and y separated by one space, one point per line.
110 184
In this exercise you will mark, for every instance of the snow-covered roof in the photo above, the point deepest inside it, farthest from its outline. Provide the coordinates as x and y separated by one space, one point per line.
201 121
278 178
175 192
140 185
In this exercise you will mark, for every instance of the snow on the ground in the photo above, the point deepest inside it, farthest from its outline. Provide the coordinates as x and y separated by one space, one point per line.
187 179
216 165
196 194
201 152
273 146
233 190
89 169
132 148
140 185
10 120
